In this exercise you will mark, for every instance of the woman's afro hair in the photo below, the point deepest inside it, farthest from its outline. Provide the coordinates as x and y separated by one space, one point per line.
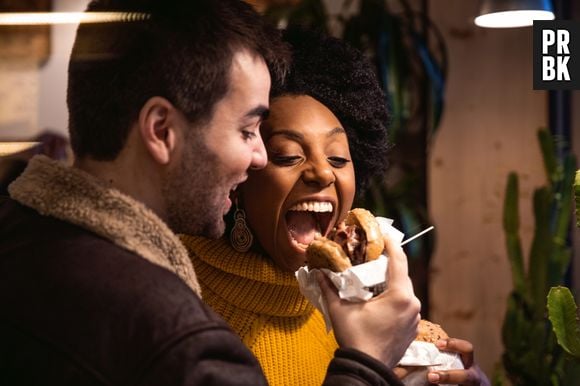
341 78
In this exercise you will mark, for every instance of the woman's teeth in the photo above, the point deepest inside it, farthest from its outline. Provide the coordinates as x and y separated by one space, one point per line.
312 206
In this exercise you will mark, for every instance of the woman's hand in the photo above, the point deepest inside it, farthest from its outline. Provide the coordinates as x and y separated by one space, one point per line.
471 375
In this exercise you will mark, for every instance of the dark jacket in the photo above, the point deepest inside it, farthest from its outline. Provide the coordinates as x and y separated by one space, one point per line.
76 309
113 299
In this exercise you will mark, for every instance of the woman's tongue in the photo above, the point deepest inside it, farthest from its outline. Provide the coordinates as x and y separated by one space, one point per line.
302 226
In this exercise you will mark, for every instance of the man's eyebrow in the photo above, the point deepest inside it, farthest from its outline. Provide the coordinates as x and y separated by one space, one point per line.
259 111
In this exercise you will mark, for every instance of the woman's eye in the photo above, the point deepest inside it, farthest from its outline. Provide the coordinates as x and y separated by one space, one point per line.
338 162
283 160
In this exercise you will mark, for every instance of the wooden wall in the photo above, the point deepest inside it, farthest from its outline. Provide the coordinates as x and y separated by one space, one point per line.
489 129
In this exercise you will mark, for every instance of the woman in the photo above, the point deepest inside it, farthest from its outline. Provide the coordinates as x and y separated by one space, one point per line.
325 136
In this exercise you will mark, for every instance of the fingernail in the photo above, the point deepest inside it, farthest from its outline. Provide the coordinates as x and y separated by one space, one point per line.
433 377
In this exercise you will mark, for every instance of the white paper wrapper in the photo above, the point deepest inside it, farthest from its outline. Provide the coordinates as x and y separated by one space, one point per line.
356 284
352 284
428 358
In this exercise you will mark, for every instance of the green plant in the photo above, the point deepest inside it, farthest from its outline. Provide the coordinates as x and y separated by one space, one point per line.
563 313
562 309
531 353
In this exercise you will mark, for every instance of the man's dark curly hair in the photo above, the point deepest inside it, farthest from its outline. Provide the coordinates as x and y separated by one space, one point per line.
340 77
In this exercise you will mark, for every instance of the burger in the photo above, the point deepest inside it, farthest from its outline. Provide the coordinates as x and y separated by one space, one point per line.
354 241
415 374
357 240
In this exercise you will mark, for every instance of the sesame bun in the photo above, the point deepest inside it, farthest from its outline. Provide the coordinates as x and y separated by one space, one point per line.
430 332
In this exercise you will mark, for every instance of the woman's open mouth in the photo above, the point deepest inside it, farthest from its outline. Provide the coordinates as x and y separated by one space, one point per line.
308 219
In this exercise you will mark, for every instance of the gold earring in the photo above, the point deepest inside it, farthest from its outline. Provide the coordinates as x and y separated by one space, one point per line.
240 236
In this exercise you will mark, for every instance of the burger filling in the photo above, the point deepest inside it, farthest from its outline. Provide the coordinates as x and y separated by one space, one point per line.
353 241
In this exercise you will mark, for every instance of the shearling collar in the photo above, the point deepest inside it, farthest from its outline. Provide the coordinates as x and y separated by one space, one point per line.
69 194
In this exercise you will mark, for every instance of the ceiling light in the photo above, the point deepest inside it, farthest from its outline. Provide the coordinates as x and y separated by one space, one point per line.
513 13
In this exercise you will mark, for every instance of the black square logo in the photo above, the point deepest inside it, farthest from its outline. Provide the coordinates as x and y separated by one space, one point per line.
556 55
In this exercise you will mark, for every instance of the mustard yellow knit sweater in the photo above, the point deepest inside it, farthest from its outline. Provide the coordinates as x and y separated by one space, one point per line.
263 305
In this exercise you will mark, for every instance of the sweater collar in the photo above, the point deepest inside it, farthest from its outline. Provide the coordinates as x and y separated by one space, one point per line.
226 273
71 195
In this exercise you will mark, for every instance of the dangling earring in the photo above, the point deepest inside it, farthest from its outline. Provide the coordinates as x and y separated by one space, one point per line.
240 236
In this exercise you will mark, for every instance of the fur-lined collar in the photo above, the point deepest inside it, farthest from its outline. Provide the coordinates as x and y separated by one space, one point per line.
72 195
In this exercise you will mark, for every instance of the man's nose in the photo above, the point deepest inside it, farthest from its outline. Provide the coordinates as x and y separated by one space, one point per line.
259 155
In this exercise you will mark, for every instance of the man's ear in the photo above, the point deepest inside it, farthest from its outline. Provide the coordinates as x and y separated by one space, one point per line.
157 126
235 197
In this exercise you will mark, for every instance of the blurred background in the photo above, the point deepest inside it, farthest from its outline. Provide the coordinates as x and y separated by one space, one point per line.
464 115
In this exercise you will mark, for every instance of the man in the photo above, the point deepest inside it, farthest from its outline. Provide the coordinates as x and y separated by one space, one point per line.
164 122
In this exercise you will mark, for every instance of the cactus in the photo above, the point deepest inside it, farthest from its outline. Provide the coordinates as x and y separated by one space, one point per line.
531 353
562 309
563 314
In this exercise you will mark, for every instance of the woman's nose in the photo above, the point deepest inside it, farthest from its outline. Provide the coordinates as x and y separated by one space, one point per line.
319 173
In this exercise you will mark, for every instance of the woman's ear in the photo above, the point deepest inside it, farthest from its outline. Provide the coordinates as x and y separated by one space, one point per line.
158 128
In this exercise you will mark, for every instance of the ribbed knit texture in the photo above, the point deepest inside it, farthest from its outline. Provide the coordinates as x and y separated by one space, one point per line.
264 306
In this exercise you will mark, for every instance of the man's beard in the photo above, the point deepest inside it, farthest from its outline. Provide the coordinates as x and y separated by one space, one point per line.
194 192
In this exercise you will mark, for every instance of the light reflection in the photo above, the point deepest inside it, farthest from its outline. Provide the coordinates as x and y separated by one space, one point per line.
8 148
39 18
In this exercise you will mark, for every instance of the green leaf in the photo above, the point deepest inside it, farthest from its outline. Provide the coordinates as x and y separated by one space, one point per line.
541 251
563 314
511 227
510 209
563 201
558 265
515 254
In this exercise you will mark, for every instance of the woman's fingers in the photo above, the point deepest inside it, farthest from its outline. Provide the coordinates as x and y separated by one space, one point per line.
472 377
455 377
